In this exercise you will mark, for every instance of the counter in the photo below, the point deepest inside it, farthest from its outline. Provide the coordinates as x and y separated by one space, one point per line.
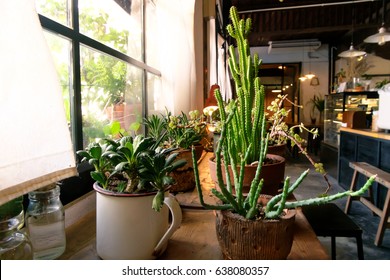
363 145
367 132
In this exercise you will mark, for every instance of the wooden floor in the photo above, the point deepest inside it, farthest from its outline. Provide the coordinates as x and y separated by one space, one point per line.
196 238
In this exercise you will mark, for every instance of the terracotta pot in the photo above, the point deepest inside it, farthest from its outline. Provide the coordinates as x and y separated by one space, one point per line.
187 155
273 174
279 150
184 176
242 239
127 228
184 181
198 151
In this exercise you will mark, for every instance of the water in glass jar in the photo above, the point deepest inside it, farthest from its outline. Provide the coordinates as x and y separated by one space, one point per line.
47 234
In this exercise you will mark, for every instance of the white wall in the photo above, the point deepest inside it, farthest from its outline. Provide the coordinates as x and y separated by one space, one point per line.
377 66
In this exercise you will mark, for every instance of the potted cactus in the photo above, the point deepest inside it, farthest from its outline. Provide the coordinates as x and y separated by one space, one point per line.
132 176
261 226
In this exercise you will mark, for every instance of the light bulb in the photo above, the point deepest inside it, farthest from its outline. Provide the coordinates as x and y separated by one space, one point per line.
309 76
381 40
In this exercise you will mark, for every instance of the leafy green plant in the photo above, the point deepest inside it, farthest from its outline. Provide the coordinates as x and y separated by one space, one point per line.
380 84
237 119
317 104
155 125
127 165
280 133
185 131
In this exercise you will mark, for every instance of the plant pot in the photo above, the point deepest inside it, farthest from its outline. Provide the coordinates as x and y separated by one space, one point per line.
273 174
184 176
242 239
127 228
198 151
279 150
184 181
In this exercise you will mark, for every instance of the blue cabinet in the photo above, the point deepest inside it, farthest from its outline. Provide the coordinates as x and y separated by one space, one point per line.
373 148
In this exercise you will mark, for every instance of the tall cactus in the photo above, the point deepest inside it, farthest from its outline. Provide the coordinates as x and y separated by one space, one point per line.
247 122
243 139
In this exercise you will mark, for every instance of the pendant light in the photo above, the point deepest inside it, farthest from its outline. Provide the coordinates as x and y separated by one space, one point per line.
352 52
382 36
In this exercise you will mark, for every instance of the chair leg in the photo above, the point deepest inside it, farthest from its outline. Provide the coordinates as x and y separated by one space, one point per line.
383 223
333 247
359 243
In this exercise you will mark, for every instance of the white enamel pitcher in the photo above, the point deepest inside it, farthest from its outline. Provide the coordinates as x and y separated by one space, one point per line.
127 228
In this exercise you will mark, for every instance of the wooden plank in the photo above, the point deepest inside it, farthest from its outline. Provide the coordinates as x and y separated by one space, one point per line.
368 170
196 239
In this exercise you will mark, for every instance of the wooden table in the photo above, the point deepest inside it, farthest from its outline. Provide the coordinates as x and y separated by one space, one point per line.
196 238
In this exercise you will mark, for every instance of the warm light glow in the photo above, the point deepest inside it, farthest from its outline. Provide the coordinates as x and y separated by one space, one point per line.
276 90
303 78
381 37
309 76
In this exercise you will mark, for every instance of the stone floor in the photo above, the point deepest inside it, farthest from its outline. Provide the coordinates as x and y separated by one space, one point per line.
314 184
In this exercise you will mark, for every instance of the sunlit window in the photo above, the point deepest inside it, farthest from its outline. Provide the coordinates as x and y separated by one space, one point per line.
108 23
101 86
111 91
57 10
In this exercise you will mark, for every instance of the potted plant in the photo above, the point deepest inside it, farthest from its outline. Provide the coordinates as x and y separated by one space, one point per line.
252 226
279 133
180 132
132 175
317 104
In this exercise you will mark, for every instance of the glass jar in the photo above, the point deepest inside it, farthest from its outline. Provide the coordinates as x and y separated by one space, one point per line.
45 222
14 244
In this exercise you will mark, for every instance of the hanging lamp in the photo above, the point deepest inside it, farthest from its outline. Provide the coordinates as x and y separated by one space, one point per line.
352 52
382 36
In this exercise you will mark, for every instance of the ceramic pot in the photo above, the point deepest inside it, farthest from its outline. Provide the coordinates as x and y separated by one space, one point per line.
127 228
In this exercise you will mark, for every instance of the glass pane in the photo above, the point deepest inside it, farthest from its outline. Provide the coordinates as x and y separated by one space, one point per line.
156 101
111 92
108 23
61 48
152 35
57 10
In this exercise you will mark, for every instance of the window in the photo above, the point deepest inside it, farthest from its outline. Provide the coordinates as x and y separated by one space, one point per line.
106 71
101 60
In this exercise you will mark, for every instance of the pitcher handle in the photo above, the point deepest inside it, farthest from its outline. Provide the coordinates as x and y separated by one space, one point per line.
175 209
